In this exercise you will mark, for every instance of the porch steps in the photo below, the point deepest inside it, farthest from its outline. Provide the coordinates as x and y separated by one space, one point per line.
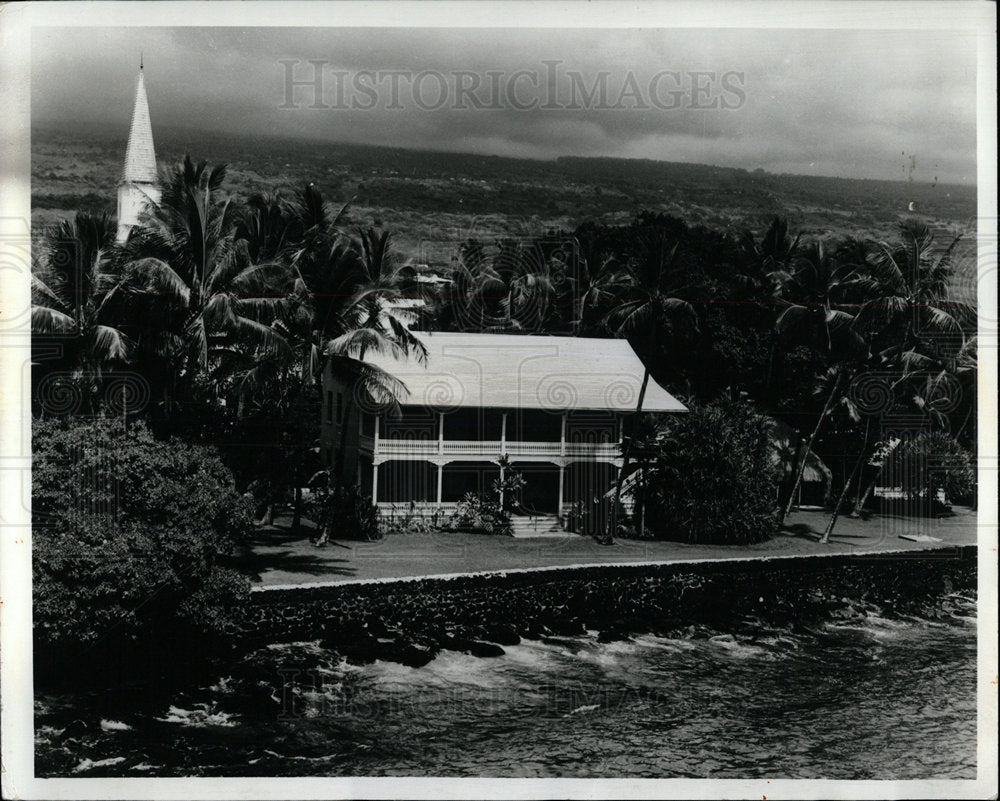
537 526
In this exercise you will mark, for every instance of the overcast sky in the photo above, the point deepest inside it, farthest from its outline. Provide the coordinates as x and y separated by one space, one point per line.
847 103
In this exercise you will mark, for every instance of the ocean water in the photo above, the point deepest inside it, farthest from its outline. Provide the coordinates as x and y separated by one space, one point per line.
862 697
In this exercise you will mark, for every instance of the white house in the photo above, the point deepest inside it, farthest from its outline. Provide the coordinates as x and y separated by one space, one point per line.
553 406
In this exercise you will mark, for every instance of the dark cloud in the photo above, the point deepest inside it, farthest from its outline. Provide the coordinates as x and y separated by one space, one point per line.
851 103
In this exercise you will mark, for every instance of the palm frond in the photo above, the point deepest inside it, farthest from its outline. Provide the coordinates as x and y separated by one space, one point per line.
110 344
264 337
933 319
161 278
383 387
359 341
40 290
46 320
878 313
884 267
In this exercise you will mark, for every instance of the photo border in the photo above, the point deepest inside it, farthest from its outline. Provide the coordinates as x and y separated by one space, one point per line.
16 23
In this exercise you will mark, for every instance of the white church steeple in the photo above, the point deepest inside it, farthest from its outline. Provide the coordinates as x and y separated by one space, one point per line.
139 184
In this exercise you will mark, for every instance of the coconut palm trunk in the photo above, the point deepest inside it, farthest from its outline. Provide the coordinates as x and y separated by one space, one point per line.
863 498
626 454
797 459
297 510
870 488
812 438
338 473
847 484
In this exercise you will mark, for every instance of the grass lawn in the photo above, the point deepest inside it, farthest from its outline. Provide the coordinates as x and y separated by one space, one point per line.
277 556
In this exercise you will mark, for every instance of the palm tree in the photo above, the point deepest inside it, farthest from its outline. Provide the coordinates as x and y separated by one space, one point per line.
757 274
907 310
809 296
268 225
188 255
345 299
510 290
466 301
302 235
653 311
74 286
759 262
341 305
943 381
906 287
596 280
371 320
933 382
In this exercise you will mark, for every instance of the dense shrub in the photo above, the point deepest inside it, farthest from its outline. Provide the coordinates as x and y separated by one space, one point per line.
489 512
711 479
344 513
412 523
478 513
930 462
128 532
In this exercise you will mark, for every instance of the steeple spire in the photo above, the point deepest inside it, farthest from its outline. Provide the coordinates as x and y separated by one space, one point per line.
139 183
140 158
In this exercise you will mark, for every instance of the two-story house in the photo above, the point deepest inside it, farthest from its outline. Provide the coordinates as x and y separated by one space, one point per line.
555 407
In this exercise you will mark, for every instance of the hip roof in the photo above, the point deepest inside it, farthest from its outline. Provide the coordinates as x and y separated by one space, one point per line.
518 371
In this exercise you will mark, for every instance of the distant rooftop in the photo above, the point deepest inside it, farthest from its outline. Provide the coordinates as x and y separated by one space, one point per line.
517 371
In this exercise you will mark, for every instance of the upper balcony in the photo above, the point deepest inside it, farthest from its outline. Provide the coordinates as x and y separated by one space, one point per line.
487 435
492 450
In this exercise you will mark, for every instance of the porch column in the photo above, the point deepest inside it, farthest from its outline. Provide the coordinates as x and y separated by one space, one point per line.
440 482
375 475
562 441
562 475
440 443
375 438
503 437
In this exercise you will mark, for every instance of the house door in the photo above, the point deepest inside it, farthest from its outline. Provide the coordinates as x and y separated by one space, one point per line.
540 493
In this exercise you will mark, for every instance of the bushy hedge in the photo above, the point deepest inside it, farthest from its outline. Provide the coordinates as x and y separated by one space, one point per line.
344 513
711 479
929 462
128 532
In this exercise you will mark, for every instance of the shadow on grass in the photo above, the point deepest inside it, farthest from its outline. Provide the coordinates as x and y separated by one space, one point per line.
281 531
254 565
807 532
802 531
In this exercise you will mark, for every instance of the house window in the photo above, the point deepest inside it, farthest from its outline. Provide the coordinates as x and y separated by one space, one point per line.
329 406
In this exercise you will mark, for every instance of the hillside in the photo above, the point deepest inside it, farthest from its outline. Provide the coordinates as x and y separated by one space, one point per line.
434 200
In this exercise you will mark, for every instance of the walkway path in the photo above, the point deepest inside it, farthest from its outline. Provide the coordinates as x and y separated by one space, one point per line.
278 557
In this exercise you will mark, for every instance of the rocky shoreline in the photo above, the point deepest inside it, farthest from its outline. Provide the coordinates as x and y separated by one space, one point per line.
411 621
